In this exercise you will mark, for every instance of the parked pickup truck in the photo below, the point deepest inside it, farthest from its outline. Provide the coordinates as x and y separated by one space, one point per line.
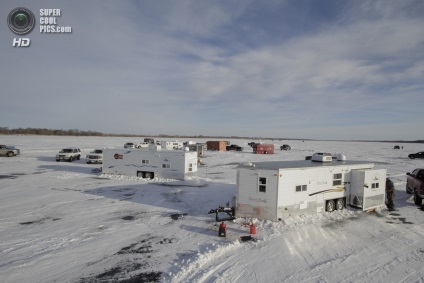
415 185
8 150
96 156
234 147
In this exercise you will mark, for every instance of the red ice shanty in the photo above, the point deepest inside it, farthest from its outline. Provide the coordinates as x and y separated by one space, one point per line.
263 148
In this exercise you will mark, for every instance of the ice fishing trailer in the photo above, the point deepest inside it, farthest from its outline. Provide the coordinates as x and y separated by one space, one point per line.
278 189
149 163
260 148
169 145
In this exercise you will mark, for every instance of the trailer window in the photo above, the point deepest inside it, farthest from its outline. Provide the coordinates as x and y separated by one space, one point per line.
301 188
262 185
375 185
337 179
190 167
166 166
145 161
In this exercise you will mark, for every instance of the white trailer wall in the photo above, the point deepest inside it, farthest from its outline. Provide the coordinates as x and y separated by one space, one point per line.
170 164
252 203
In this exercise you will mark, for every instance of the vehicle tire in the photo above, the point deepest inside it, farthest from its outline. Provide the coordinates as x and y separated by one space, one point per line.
71 159
408 190
148 175
139 174
411 157
330 205
417 199
10 154
340 204
78 157
57 160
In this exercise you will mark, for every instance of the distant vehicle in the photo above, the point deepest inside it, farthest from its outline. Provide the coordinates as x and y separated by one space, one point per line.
415 185
416 155
129 145
252 144
234 147
149 140
396 147
285 147
70 154
143 145
96 156
8 150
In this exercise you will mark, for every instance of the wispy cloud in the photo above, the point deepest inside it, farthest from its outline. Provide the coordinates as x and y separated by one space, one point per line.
221 67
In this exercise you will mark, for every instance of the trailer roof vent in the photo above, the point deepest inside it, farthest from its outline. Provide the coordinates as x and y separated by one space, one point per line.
322 157
339 157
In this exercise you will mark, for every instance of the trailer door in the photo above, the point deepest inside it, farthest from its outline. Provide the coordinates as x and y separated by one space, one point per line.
367 188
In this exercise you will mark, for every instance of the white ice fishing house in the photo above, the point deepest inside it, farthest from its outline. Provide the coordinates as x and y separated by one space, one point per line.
150 162
275 190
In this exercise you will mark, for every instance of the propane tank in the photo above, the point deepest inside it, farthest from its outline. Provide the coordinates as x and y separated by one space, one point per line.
222 230
252 229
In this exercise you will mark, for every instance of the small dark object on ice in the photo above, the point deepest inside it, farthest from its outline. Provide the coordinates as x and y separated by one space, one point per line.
177 216
96 170
247 238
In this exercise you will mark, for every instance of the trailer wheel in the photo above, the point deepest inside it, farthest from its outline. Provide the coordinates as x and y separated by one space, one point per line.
266 152
139 174
330 205
340 204
417 199
148 175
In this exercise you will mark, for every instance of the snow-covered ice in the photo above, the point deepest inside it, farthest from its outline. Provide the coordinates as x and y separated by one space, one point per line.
60 222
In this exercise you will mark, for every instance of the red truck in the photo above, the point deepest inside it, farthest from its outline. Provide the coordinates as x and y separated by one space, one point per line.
415 185
263 148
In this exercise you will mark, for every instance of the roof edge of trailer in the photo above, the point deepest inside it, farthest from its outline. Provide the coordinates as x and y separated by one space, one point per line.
297 164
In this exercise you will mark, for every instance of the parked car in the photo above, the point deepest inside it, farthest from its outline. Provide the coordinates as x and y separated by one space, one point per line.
415 185
69 154
96 156
143 145
285 147
129 145
416 155
8 150
396 147
234 147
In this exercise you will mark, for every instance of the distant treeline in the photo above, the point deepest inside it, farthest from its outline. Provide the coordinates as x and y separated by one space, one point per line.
47 132
76 132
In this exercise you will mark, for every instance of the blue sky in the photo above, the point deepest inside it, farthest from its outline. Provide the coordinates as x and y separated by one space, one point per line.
284 69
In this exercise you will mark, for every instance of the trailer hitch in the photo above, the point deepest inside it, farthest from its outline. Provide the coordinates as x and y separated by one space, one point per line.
230 211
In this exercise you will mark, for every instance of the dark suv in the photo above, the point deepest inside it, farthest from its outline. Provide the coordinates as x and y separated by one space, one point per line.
234 147
415 185
285 147
416 155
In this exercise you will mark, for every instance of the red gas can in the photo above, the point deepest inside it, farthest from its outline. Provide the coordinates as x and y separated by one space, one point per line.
252 229
222 230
